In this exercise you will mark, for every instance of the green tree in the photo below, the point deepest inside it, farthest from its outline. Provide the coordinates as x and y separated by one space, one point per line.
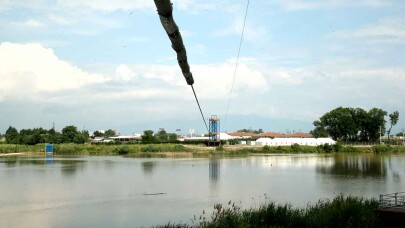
69 133
162 136
340 124
393 121
375 123
12 136
98 134
110 133
251 131
148 137
172 137
319 131
80 138
351 124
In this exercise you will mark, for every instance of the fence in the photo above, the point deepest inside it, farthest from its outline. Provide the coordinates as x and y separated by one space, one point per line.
392 200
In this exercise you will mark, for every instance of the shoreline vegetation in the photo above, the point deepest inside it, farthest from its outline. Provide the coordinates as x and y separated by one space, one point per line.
341 211
181 150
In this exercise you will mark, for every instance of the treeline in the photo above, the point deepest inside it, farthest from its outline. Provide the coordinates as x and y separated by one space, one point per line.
354 124
69 134
159 137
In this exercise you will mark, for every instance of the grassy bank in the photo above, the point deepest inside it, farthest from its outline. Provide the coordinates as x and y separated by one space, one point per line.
338 212
179 150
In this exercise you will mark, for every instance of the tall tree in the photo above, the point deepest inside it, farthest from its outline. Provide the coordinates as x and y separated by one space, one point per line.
375 123
393 121
69 133
148 137
12 136
319 130
110 133
351 124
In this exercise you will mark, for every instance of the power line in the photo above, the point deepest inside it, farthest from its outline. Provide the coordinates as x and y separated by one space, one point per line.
237 62
202 115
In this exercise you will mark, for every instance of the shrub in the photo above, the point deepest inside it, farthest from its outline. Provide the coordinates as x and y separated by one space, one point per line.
122 150
381 148
151 148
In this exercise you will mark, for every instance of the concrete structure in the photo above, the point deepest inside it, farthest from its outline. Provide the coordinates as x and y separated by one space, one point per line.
271 135
292 141
126 138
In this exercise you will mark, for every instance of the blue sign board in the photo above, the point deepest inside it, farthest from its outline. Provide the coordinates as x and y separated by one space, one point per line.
49 148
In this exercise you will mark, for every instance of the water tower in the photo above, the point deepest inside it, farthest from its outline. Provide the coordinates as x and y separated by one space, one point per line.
214 134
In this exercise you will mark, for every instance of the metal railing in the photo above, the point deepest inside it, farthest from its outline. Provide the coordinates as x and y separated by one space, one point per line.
392 200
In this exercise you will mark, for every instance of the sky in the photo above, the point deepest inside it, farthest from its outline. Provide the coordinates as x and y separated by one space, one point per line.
109 64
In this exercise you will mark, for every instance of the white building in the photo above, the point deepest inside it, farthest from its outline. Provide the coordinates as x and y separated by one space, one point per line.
292 141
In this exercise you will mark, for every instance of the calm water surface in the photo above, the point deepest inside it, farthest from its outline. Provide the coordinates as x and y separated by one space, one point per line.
132 192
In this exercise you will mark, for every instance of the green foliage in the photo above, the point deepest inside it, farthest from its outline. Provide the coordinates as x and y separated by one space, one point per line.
109 133
12 136
381 148
339 212
266 148
122 150
393 121
151 148
251 131
350 149
70 134
351 124
319 131
148 137
98 134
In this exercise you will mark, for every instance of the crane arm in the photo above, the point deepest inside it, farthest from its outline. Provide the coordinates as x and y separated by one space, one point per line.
165 11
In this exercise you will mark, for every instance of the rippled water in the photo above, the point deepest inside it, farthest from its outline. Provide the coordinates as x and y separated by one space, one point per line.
132 192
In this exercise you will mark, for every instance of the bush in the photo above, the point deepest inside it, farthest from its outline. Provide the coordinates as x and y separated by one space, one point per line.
338 212
150 148
266 148
296 147
350 149
122 150
381 149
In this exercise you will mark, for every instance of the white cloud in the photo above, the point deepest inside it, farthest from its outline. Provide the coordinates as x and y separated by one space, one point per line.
124 73
31 23
386 30
29 69
61 20
294 5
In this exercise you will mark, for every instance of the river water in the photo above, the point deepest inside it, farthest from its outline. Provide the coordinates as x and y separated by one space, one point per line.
113 191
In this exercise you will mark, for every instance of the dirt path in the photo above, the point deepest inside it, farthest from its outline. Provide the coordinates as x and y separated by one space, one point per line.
21 153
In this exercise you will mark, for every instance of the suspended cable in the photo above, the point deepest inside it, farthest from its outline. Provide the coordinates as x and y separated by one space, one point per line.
236 65
202 115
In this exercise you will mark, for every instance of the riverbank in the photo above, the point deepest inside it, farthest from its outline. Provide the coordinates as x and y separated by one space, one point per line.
180 150
339 212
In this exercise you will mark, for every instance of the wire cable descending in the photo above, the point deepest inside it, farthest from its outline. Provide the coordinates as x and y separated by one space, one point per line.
202 115
236 66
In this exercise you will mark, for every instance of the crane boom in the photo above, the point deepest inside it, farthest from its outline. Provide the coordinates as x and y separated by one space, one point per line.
165 11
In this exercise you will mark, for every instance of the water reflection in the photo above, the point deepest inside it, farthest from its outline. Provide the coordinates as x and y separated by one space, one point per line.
49 158
356 166
214 170
69 168
148 167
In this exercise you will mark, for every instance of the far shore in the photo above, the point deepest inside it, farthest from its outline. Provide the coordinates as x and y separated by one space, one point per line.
188 151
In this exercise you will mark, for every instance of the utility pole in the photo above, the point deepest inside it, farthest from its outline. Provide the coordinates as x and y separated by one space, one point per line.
380 135
403 138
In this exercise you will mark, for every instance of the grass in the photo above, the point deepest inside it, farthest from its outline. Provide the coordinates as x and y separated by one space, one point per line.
160 150
339 212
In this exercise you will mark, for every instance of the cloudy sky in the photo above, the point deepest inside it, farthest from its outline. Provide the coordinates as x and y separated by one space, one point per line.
100 64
